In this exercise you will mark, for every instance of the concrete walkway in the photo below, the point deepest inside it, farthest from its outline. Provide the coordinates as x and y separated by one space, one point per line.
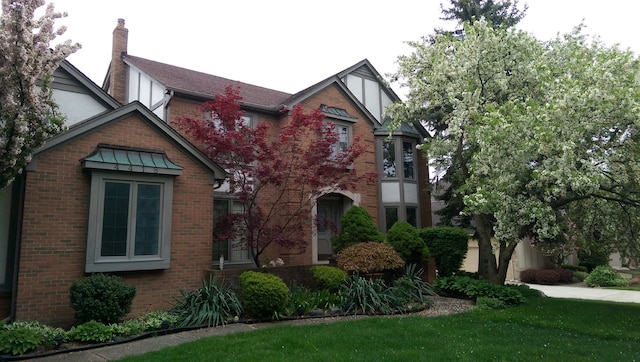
115 352
580 291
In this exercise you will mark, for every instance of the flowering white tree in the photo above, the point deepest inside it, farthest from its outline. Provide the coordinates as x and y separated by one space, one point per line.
534 129
27 62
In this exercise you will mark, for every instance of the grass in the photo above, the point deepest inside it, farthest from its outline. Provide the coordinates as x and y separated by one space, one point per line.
542 328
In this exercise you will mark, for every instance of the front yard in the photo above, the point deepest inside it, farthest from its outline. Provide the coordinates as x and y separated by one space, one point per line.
541 328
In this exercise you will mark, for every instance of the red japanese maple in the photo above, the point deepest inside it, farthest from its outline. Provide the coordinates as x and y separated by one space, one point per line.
277 171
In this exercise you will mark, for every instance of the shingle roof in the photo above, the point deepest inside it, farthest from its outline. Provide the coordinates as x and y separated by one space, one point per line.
193 82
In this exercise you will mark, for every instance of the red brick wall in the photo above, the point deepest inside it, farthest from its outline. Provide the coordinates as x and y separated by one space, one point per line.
118 74
331 96
55 227
334 97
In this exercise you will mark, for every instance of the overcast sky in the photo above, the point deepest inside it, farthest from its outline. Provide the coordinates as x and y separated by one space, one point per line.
289 45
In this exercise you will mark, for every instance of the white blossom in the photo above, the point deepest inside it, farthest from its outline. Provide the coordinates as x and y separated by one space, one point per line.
27 63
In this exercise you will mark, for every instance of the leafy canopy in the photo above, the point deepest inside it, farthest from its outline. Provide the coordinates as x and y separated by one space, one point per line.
27 61
543 127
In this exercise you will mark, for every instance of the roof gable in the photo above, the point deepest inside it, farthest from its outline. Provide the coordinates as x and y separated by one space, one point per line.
143 113
68 78
77 97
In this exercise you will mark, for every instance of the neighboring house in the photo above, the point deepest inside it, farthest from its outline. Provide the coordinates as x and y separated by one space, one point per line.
354 100
119 191
525 256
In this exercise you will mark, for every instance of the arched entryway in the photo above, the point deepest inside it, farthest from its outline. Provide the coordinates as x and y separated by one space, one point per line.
327 213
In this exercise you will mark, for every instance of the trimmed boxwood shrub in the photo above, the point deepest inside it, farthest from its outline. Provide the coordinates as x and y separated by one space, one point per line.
574 268
605 276
102 298
547 276
593 256
448 245
407 242
356 226
369 258
328 277
528 276
566 275
263 295
473 289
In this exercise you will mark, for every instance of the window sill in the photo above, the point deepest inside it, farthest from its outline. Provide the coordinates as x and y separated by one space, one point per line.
115 266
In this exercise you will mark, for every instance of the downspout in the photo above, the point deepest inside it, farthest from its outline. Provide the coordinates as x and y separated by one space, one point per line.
18 200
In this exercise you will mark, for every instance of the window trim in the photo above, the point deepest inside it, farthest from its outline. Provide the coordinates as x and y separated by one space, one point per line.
395 159
414 162
400 170
97 263
337 124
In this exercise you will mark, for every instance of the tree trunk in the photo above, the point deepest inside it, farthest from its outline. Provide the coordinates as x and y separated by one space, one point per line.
506 251
487 267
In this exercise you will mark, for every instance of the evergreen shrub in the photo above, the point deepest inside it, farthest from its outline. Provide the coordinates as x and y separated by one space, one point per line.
574 268
605 276
406 240
593 256
263 295
356 226
448 245
102 298
328 277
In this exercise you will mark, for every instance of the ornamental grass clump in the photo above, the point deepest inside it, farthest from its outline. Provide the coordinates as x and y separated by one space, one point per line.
369 258
212 305
367 296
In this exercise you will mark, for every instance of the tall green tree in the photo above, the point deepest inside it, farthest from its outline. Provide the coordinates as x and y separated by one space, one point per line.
531 129
27 62
500 13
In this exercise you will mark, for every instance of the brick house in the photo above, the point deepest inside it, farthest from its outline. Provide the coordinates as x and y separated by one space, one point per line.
122 140
353 99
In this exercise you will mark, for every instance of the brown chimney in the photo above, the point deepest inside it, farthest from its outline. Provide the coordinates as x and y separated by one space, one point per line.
118 74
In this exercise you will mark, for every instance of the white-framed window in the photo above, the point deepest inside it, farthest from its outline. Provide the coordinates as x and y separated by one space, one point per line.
408 159
345 137
389 166
129 222
391 153
232 250
248 120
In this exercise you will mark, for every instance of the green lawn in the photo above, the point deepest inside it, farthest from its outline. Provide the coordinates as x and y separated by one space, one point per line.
543 328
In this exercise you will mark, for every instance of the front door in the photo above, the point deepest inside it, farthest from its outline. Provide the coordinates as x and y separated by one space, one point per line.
330 209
